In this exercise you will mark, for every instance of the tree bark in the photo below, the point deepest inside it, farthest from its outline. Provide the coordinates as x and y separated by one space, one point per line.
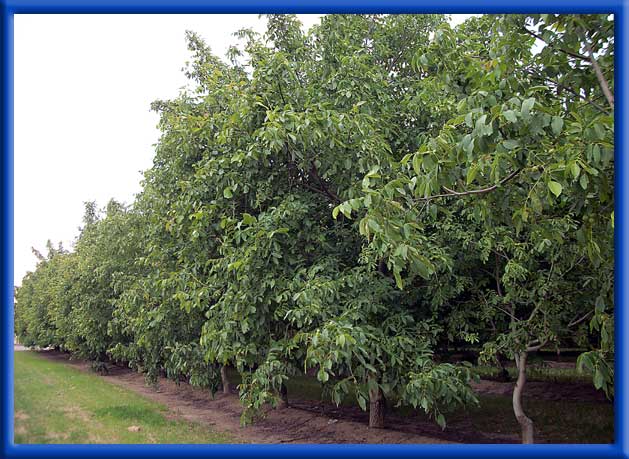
283 402
525 422
225 380
376 408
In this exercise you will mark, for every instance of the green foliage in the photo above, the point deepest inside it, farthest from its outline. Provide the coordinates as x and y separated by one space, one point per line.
511 199
438 386
67 303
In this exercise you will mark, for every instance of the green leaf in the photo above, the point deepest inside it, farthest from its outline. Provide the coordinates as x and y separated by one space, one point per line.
599 304
398 280
555 188
374 225
362 402
527 105
468 120
422 266
598 379
401 251
510 116
557 125
346 209
248 219
428 162
480 122
323 375
584 181
227 192
433 210
467 144
417 164
373 173
537 88
471 173
575 169
441 420
600 130
511 144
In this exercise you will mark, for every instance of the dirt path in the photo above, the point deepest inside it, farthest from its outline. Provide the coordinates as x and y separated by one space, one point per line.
289 425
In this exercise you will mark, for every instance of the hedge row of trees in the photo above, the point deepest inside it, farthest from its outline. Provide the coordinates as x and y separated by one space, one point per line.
348 201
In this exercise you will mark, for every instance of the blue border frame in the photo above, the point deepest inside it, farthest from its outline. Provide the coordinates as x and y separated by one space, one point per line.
620 8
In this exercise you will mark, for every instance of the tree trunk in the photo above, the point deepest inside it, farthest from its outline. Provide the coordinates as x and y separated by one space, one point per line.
504 373
525 423
225 380
376 408
283 402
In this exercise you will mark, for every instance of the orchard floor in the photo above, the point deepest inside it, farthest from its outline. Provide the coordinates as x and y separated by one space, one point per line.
566 413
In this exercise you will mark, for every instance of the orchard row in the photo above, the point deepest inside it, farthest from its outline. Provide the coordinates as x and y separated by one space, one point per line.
351 201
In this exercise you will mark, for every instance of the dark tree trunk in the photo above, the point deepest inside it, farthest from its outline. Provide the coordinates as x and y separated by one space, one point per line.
225 380
283 402
504 373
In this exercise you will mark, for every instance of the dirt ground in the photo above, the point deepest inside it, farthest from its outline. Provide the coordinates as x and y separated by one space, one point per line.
309 421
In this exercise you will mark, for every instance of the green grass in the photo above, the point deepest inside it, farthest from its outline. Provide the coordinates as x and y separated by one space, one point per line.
55 403
555 421
537 373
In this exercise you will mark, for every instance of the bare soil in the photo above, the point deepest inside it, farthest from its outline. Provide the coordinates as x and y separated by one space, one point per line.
310 421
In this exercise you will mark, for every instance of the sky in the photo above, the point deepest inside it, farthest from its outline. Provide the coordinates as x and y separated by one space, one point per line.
83 126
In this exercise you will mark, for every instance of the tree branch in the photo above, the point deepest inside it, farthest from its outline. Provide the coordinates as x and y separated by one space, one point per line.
479 191
590 58
312 188
279 86
569 89
536 348
578 321
330 193
599 75
510 314
497 274
552 45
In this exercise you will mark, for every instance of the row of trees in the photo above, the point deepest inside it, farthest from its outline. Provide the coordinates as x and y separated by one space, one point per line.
350 200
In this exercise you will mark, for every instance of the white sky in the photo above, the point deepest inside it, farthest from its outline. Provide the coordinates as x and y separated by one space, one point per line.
83 125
